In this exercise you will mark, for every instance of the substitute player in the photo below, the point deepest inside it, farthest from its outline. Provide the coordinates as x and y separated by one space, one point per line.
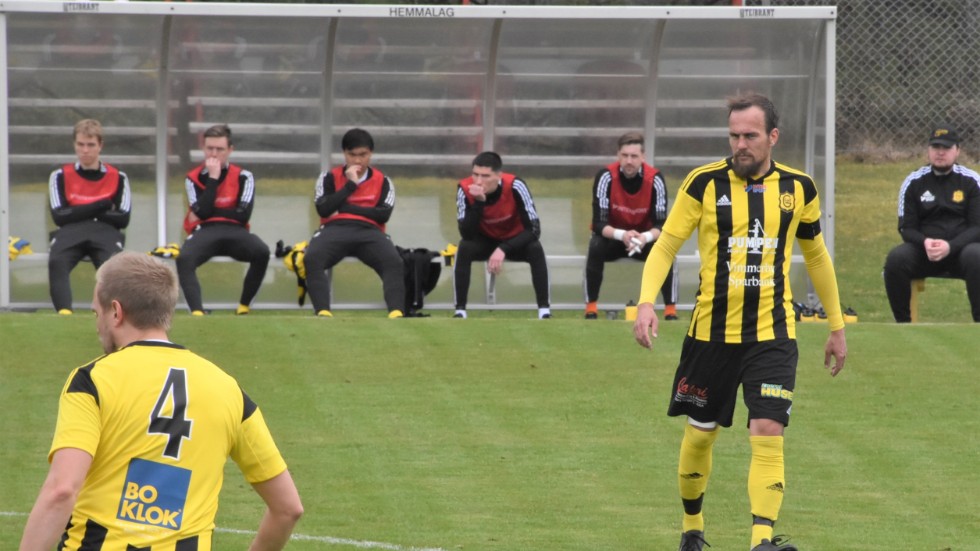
221 196
144 432
629 206
90 204
747 211
497 221
355 201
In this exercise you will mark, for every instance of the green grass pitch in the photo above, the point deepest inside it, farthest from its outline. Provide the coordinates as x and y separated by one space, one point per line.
506 433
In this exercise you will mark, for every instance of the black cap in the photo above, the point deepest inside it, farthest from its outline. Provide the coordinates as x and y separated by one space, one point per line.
945 136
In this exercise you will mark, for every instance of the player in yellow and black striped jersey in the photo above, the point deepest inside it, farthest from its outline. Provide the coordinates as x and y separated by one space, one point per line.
748 210
144 432
745 240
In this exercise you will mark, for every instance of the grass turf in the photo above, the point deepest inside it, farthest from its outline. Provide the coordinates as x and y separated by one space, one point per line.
502 432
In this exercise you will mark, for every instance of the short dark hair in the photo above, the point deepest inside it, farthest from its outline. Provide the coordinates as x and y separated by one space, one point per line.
490 160
219 131
630 138
743 102
355 138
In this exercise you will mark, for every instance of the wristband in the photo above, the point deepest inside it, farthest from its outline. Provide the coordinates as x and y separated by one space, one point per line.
648 235
619 234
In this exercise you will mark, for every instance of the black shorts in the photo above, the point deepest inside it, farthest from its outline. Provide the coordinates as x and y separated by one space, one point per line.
706 384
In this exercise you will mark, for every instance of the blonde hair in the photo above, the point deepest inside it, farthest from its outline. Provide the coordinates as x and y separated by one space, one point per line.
88 127
145 287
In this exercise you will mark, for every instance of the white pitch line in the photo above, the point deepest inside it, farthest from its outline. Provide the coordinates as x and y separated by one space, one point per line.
340 541
303 537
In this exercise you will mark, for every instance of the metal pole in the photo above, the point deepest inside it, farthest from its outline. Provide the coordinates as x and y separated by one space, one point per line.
4 169
162 127
326 95
653 80
830 124
490 89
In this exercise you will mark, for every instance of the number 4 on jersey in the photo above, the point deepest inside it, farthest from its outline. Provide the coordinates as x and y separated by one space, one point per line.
176 426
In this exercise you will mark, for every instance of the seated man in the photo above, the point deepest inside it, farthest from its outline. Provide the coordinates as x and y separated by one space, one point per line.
221 196
497 221
354 202
90 202
939 221
629 206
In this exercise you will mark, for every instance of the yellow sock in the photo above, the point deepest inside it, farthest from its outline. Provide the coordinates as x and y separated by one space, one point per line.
766 483
761 532
693 470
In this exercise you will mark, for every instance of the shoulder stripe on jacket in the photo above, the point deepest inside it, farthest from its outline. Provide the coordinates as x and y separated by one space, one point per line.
521 188
602 190
905 185
460 203
248 190
661 191
53 189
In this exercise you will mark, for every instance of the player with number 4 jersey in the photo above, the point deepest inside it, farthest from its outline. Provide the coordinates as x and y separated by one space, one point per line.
144 432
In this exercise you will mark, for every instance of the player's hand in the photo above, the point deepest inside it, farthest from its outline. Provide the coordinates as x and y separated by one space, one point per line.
478 192
354 172
213 164
635 246
646 325
629 236
836 349
495 263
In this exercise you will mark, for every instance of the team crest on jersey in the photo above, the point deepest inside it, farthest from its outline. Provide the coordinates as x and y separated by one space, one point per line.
958 196
154 494
787 202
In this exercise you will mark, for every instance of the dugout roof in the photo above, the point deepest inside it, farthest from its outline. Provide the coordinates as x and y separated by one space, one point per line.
550 88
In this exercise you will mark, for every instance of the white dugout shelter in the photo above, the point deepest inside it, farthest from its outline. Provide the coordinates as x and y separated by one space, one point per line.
549 88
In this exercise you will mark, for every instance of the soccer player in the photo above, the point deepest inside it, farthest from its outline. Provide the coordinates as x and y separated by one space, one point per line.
354 202
144 432
629 206
497 221
939 221
221 196
747 210
90 204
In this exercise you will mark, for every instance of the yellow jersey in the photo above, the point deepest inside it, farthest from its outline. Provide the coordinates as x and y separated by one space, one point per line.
160 422
746 230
